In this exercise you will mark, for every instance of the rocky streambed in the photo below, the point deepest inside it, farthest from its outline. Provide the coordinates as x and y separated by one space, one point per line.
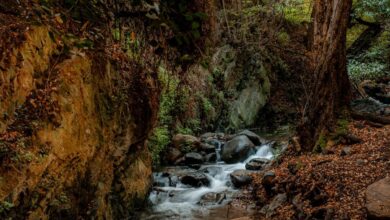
202 182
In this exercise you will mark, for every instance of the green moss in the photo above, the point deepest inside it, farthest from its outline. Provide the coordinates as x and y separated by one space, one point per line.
353 33
283 38
297 11
320 144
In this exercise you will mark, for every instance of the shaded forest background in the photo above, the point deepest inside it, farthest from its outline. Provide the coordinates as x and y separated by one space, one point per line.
147 70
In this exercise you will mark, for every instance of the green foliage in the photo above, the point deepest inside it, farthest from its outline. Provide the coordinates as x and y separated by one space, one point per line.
372 10
373 63
158 143
5 206
184 130
161 135
169 84
207 105
116 34
359 70
296 11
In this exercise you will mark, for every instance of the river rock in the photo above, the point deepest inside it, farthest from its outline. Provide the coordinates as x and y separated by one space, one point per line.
195 179
378 199
237 150
193 158
209 135
256 164
208 148
370 105
185 142
211 158
212 171
240 178
212 198
180 161
268 181
172 155
256 139
216 143
277 201
378 91
346 151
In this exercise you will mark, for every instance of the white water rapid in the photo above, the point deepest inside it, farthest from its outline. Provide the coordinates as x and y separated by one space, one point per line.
178 201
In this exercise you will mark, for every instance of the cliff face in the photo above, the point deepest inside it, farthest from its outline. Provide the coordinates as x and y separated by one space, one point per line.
72 133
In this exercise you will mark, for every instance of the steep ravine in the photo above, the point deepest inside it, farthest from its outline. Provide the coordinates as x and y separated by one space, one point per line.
74 118
70 144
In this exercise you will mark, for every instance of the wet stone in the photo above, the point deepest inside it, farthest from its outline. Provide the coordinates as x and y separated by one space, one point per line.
241 178
256 164
212 199
211 157
195 179
212 171
238 149
208 148
193 158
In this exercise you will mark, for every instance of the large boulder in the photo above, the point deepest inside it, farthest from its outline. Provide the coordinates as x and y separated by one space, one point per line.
256 139
185 142
193 158
244 110
195 179
173 155
237 149
256 164
378 199
240 178
246 80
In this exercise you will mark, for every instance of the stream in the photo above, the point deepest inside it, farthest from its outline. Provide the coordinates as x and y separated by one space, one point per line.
171 199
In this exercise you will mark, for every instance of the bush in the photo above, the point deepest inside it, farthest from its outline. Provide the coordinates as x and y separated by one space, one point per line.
373 63
359 71
158 143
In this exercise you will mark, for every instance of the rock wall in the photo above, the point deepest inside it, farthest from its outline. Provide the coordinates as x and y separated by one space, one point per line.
236 87
72 137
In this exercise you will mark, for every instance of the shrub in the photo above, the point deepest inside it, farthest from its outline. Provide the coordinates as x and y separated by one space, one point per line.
158 143
359 71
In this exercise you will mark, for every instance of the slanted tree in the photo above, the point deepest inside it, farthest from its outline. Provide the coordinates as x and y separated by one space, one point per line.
330 87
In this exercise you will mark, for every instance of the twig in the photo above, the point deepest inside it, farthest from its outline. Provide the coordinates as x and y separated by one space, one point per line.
226 18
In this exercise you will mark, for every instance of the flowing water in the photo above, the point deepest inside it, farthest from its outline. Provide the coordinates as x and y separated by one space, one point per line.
174 200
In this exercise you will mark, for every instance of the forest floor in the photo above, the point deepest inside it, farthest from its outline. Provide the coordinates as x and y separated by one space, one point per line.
329 185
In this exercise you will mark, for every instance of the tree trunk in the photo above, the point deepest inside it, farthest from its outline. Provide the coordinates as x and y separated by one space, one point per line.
330 88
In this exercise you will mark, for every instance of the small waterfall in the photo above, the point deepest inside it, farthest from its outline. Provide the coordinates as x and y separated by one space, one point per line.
184 202
218 150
